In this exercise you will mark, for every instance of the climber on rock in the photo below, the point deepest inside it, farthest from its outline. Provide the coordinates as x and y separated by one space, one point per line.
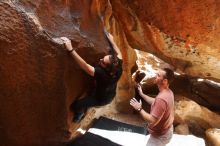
106 75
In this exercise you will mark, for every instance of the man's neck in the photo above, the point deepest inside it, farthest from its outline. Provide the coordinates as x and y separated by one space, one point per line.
163 87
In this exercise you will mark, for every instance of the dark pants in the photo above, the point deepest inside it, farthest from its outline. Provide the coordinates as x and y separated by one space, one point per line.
90 101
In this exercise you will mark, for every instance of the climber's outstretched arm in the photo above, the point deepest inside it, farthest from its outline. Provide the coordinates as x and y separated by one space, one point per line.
81 62
114 45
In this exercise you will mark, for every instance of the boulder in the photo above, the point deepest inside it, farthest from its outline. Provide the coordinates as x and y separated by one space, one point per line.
198 118
213 137
182 129
39 79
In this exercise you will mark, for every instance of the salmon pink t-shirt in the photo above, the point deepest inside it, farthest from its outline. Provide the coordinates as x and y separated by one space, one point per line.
163 109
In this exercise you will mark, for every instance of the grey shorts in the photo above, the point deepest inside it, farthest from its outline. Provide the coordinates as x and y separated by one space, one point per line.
161 140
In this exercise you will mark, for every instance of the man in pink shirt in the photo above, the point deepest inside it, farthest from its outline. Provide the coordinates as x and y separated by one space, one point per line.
161 116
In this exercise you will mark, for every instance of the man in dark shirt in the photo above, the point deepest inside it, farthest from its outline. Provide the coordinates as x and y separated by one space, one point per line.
106 76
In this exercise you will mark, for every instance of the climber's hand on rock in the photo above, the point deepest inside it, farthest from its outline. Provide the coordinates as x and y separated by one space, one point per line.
139 89
67 43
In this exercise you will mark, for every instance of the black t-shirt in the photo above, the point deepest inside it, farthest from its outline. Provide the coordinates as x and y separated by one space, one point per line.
105 83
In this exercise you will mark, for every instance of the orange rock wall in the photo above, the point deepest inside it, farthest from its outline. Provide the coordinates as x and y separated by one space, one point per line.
183 33
39 79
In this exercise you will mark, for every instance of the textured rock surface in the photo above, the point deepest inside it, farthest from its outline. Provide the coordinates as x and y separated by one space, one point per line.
182 129
183 33
198 118
39 80
213 137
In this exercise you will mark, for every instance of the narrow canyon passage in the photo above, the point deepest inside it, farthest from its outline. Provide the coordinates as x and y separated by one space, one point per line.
39 79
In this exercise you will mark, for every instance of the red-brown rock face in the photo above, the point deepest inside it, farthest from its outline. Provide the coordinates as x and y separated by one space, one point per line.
39 79
183 33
